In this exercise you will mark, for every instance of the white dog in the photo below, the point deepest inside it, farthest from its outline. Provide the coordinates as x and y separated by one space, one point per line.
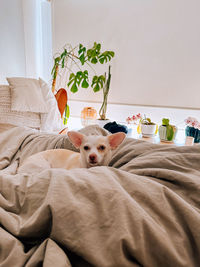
95 150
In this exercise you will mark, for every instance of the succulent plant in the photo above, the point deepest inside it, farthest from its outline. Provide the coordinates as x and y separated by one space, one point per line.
165 122
146 121
170 129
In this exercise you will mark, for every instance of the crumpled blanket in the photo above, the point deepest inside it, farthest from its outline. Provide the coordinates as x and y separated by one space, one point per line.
141 210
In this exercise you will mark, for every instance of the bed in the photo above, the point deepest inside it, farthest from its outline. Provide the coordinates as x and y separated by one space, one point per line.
141 210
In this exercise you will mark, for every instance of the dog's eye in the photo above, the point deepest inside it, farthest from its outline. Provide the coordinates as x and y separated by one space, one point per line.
86 147
101 147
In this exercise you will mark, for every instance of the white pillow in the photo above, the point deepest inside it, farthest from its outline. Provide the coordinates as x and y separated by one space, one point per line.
52 121
26 95
17 118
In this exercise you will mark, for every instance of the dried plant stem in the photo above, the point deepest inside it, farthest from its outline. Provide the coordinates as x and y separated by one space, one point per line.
103 109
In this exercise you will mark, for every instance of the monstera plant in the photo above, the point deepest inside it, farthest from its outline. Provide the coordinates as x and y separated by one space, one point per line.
75 66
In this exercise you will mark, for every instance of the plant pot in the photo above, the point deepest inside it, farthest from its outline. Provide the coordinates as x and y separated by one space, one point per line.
148 129
101 123
191 131
167 133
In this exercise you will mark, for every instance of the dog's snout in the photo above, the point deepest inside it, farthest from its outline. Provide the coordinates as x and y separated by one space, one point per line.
93 157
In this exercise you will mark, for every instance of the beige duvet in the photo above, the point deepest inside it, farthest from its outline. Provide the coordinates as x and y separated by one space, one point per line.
142 210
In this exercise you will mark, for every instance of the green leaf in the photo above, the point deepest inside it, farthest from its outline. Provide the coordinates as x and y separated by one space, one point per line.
67 112
85 84
57 60
96 88
94 60
71 79
66 116
74 88
84 77
106 56
93 53
53 70
98 82
95 79
64 53
63 63
85 72
98 47
64 120
101 60
102 80
82 59
72 75
80 46
82 54
112 53
81 78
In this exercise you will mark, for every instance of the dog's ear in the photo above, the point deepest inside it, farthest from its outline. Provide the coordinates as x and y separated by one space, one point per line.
76 138
116 139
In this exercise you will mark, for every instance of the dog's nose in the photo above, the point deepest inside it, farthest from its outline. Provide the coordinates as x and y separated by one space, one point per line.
92 157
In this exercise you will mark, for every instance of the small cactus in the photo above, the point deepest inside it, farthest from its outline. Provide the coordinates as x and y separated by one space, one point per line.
170 130
165 122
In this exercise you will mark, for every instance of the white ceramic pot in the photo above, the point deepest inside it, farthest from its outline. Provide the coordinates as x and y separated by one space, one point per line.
101 123
148 129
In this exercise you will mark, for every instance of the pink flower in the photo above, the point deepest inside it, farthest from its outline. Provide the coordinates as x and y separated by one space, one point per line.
187 121
191 122
128 120
134 118
195 124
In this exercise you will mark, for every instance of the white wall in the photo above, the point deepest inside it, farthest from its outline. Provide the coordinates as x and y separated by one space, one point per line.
38 38
26 40
12 54
47 52
156 43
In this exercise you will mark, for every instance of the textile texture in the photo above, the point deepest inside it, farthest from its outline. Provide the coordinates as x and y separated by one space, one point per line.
26 95
141 210
17 118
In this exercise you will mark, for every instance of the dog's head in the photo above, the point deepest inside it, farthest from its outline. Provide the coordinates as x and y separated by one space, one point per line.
95 150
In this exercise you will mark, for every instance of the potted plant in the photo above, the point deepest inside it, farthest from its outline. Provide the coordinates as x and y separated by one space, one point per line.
193 129
71 64
167 132
133 120
133 123
147 127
